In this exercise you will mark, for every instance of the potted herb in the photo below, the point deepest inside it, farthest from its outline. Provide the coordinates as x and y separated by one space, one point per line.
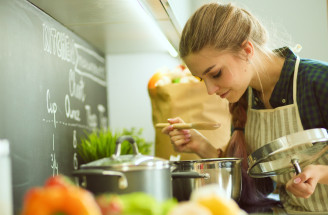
100 144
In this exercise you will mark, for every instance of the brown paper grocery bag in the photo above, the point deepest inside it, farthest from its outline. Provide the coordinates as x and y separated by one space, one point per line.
190 102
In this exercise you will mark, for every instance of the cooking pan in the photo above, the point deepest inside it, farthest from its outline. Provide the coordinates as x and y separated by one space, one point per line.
127 173
192 174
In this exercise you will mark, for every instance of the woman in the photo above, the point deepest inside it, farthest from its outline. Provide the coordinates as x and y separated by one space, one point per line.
271 94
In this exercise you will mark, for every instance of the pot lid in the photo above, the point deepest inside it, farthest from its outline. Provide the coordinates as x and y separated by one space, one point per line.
288 153
133 161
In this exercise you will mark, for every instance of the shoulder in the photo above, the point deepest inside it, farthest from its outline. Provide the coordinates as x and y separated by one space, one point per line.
312 93
313 72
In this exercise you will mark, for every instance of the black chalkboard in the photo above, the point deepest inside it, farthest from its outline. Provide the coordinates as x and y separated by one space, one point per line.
52 89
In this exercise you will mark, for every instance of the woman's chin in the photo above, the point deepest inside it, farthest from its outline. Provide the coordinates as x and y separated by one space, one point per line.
232 99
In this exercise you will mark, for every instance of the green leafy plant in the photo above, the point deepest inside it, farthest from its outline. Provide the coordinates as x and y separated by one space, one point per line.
100 144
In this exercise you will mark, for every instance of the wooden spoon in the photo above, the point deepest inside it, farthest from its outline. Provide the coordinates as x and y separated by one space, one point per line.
195 125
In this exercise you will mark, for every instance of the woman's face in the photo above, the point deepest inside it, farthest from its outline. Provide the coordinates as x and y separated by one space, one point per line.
224 74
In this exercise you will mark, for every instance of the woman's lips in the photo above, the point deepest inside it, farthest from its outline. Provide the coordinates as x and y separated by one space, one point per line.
224 95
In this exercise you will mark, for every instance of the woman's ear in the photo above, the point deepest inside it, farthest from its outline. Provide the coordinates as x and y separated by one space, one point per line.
248 48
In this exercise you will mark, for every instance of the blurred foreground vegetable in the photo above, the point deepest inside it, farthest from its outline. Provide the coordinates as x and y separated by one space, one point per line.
59 196
208 200
137 203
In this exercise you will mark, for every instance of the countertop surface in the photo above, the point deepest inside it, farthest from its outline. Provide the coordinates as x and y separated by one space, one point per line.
276 211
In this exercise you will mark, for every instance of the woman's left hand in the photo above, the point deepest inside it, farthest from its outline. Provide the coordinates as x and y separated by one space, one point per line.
304 184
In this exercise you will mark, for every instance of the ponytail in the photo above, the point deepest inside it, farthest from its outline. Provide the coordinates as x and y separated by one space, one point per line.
254 191
237 143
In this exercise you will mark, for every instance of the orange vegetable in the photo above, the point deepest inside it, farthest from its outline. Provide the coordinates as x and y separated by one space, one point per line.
59 196
153 80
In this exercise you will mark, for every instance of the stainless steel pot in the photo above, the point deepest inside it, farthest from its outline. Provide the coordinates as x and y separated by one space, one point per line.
192 174
127 173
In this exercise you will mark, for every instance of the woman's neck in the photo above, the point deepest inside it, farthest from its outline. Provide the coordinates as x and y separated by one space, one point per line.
266 76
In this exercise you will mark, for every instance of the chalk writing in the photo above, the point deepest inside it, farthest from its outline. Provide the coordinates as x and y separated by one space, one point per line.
91 118
76 89
71 113
54 165
102 117
51 107
75 160
68 124
74 139
90 64
58 43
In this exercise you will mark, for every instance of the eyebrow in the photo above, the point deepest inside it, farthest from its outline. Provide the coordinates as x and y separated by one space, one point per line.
207 70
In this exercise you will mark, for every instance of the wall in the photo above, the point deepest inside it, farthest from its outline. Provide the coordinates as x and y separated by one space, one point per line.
128 101
289 22
296 21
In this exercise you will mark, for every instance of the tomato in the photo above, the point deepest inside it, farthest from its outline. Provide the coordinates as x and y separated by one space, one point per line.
182 67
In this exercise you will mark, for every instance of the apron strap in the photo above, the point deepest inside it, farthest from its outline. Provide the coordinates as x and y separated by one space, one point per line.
250 94
297 63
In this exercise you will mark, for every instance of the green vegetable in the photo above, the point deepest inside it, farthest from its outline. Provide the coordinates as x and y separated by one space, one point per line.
137 203
167 205
140 204
100 144
176 80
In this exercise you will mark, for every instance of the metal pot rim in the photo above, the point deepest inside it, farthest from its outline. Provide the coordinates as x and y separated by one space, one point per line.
230 159
127 166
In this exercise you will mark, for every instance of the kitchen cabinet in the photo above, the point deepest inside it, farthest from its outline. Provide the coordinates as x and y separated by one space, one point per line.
115 26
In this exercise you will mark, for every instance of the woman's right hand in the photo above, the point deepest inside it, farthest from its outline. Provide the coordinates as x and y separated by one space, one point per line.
189 140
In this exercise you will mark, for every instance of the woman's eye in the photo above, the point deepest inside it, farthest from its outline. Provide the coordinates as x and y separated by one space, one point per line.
217 74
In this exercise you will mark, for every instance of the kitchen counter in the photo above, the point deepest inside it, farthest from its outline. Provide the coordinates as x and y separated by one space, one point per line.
256 210
260 210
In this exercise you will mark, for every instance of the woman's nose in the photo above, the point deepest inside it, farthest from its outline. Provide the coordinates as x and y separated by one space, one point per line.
211 88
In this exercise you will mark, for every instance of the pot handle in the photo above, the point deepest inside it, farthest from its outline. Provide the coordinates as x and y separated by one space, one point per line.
190 175
121 139
296 166
122 181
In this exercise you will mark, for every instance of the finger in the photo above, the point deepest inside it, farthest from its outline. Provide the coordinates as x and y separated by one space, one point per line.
167 129
179 132
180 142
300 178
179 137
176 133
175 120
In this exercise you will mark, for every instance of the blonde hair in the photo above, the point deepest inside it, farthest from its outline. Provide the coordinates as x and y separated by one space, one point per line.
222 26
226 27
